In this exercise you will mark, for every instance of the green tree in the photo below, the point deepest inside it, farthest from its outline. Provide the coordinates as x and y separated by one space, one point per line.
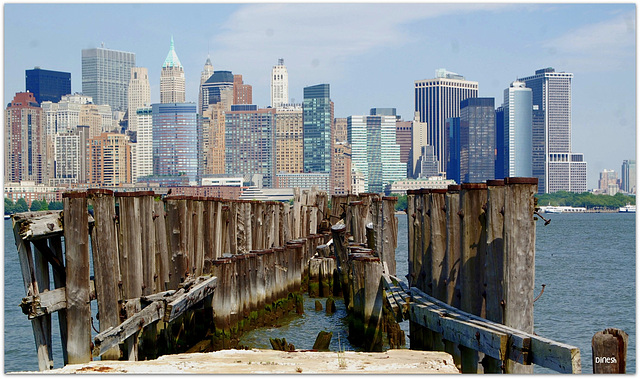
9 206
401 205
21 205
55 205
36 205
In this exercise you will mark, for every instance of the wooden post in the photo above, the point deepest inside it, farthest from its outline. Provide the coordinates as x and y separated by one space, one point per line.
452 258
59 281
177 239
494 262
609 351
366 272
148 237
43 280
411 226
437 247
473 198
162 250
389 233
519 252
106 269
197 233
339 233
76 241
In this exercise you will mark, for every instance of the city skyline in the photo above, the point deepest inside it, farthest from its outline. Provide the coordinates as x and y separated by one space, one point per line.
370 54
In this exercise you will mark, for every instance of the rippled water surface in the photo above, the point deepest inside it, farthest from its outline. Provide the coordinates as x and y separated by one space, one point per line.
587 262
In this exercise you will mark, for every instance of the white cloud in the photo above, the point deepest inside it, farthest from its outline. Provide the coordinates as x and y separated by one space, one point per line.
602 46
317 38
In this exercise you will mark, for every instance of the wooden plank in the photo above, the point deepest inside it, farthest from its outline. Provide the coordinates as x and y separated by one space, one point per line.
113 336
76 241
197 293
542 351
148 237
48 302
472 336
41 224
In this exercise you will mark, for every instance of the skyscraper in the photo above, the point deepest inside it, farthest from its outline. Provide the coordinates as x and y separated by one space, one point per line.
438 99
557 168
249 142
404 131
452 127
176 140
289 139
207 71
47 85
608 182
142 162
374 150
518 135
629 175
477 140
500 150
419 134
213 127
139 94
25 143
279 84
71 156
105 76
341 172
172 82
242 93
317 115
211 90
110 159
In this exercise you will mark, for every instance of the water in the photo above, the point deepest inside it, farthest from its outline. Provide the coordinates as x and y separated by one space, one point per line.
587 262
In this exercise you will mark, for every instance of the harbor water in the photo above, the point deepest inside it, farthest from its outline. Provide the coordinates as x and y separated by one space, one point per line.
586 261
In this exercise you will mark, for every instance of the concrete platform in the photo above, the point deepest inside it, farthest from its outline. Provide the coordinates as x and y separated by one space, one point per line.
278 362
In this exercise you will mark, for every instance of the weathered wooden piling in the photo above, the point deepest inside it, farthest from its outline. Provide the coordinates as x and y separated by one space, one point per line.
76 226
105 261
609 351
365 322
519 250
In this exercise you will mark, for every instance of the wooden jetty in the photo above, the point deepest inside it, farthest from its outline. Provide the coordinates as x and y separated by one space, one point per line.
167 272
178 273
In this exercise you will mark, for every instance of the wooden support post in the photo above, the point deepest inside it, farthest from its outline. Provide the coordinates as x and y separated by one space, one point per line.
452 199
42 277
297 209
177 240
314 277
59 281
340 244
162 250
437 248
370 236
366 323
76 238
411 222
609 351
197 233
208 236
473 198
519 250
327 267
389 235
148 239
494 262
31 289
106 269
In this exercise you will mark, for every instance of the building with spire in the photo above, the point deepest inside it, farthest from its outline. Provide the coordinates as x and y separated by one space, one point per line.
207 71
172 82
139 94
279 84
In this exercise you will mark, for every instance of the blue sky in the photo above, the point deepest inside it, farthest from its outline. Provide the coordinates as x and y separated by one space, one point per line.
370 54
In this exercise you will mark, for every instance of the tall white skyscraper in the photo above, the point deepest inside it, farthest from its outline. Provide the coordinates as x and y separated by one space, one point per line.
105 76
139 94
172 82
518 119
554 164
438 99
279 84
142 164
207 71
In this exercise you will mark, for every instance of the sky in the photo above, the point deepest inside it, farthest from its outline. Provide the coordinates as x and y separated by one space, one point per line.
371 54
